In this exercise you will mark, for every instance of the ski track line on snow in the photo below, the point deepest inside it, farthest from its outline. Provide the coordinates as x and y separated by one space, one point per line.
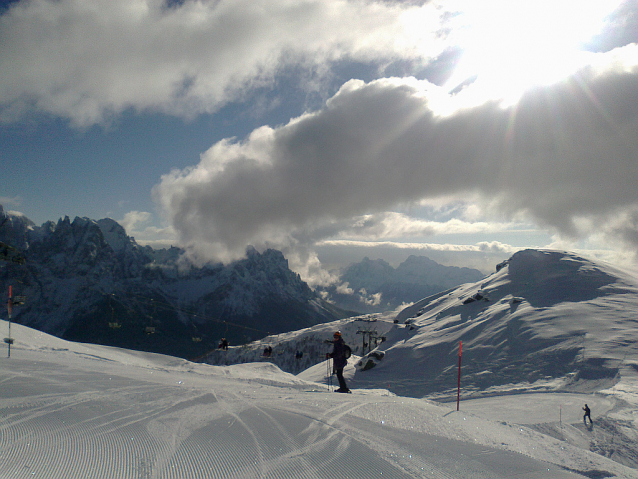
10 378
276 452
59 431
15 426
204 452
371 441
287 440
26 412
285 456
295 451
224 454
164 451
317 424
415 466
344 438
230 437
182 454
130 419
85 398
173 439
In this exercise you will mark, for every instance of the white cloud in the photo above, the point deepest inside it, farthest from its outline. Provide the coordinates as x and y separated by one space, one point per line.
561 156
136 224
563 152
388 225
509 46
88 60
344 288
370 299
133 219
305 262
613 237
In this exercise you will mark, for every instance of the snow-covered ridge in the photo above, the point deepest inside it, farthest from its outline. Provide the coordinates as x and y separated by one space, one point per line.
546 320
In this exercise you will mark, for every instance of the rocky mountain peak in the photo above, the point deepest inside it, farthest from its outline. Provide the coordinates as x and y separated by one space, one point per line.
368 274
15 228
87 280
115 235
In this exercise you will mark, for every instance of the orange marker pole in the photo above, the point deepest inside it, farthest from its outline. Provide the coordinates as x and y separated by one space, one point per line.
458 390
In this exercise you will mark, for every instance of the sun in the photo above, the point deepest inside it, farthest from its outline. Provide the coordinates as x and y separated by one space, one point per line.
512 45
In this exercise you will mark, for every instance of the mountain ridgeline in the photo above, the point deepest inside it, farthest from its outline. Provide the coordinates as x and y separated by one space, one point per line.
87 281
375 286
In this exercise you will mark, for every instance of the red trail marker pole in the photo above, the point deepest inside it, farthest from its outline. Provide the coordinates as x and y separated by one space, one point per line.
458 389
9 309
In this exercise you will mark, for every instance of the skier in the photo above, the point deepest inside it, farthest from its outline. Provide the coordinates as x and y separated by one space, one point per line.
338 355
587 415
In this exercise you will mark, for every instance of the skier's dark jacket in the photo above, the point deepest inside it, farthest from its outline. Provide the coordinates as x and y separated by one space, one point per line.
338 354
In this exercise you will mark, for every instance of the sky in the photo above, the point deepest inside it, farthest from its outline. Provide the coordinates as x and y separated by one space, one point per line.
330 130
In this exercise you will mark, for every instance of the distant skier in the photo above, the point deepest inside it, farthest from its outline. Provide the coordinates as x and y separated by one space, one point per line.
587 415
338 355
223 344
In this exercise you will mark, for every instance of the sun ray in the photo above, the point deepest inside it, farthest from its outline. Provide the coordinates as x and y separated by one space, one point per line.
510 46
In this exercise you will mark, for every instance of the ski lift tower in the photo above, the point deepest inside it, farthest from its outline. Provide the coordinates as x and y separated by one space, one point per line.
370 333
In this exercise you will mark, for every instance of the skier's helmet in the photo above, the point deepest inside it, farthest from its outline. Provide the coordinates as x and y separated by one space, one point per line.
337 334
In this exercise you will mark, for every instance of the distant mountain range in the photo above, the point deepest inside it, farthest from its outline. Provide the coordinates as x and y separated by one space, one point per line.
545 320
375 286
87 281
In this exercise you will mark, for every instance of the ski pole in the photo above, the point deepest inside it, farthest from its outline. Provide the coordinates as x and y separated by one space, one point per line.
327 372
330 372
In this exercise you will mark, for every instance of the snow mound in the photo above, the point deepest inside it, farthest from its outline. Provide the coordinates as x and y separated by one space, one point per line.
546 320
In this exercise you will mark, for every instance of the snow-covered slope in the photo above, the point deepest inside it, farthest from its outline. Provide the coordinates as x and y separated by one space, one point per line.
297 351
86 411
546 320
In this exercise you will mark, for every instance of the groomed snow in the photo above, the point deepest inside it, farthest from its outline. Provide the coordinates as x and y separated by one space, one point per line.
82 411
